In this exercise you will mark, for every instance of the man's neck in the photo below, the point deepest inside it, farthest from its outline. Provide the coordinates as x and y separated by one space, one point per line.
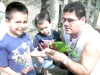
74 36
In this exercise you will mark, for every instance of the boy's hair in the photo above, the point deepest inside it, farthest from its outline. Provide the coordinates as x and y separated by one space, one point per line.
13 8
77 7
40 18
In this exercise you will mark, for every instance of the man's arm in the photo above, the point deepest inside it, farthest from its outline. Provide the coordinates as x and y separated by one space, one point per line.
9 71
89 58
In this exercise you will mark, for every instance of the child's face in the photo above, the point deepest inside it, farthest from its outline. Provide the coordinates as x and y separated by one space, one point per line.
18 23
45 28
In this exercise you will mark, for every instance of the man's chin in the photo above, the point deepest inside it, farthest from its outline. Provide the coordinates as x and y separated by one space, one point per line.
68 32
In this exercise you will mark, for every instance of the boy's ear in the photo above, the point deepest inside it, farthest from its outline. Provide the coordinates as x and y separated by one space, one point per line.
6 20
83 18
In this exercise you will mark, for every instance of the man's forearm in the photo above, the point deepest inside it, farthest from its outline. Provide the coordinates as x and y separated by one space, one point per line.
76 68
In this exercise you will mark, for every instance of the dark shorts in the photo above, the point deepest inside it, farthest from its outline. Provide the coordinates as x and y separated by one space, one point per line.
62 66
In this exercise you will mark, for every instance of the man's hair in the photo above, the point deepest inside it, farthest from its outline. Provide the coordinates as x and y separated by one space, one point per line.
13 8
43 16
77 7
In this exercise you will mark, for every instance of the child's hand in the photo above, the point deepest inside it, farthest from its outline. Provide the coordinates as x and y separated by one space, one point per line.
40 59
43 54
43 46
16 74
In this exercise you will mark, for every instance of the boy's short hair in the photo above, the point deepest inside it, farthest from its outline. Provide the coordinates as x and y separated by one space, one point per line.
13 8
76 6
43 16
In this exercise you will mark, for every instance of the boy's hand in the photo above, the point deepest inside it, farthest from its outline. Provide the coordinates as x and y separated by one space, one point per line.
16 74
43 54
40 59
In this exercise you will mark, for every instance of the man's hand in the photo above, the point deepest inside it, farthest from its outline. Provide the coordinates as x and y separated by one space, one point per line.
55 55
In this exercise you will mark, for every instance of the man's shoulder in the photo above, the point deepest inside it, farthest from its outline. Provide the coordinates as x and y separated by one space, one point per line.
94 42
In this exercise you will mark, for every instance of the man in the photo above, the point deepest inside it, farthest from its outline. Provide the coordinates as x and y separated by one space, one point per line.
83 39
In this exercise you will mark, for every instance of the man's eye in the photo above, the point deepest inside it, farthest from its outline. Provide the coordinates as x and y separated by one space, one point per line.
70 20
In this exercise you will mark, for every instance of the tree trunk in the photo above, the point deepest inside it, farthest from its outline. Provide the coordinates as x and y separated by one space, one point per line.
54 13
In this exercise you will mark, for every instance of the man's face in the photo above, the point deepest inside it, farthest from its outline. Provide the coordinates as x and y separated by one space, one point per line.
18 23
45 28
72 24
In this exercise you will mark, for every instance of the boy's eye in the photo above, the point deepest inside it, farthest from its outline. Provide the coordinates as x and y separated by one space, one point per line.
25 21
41 29
44 28
18 22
